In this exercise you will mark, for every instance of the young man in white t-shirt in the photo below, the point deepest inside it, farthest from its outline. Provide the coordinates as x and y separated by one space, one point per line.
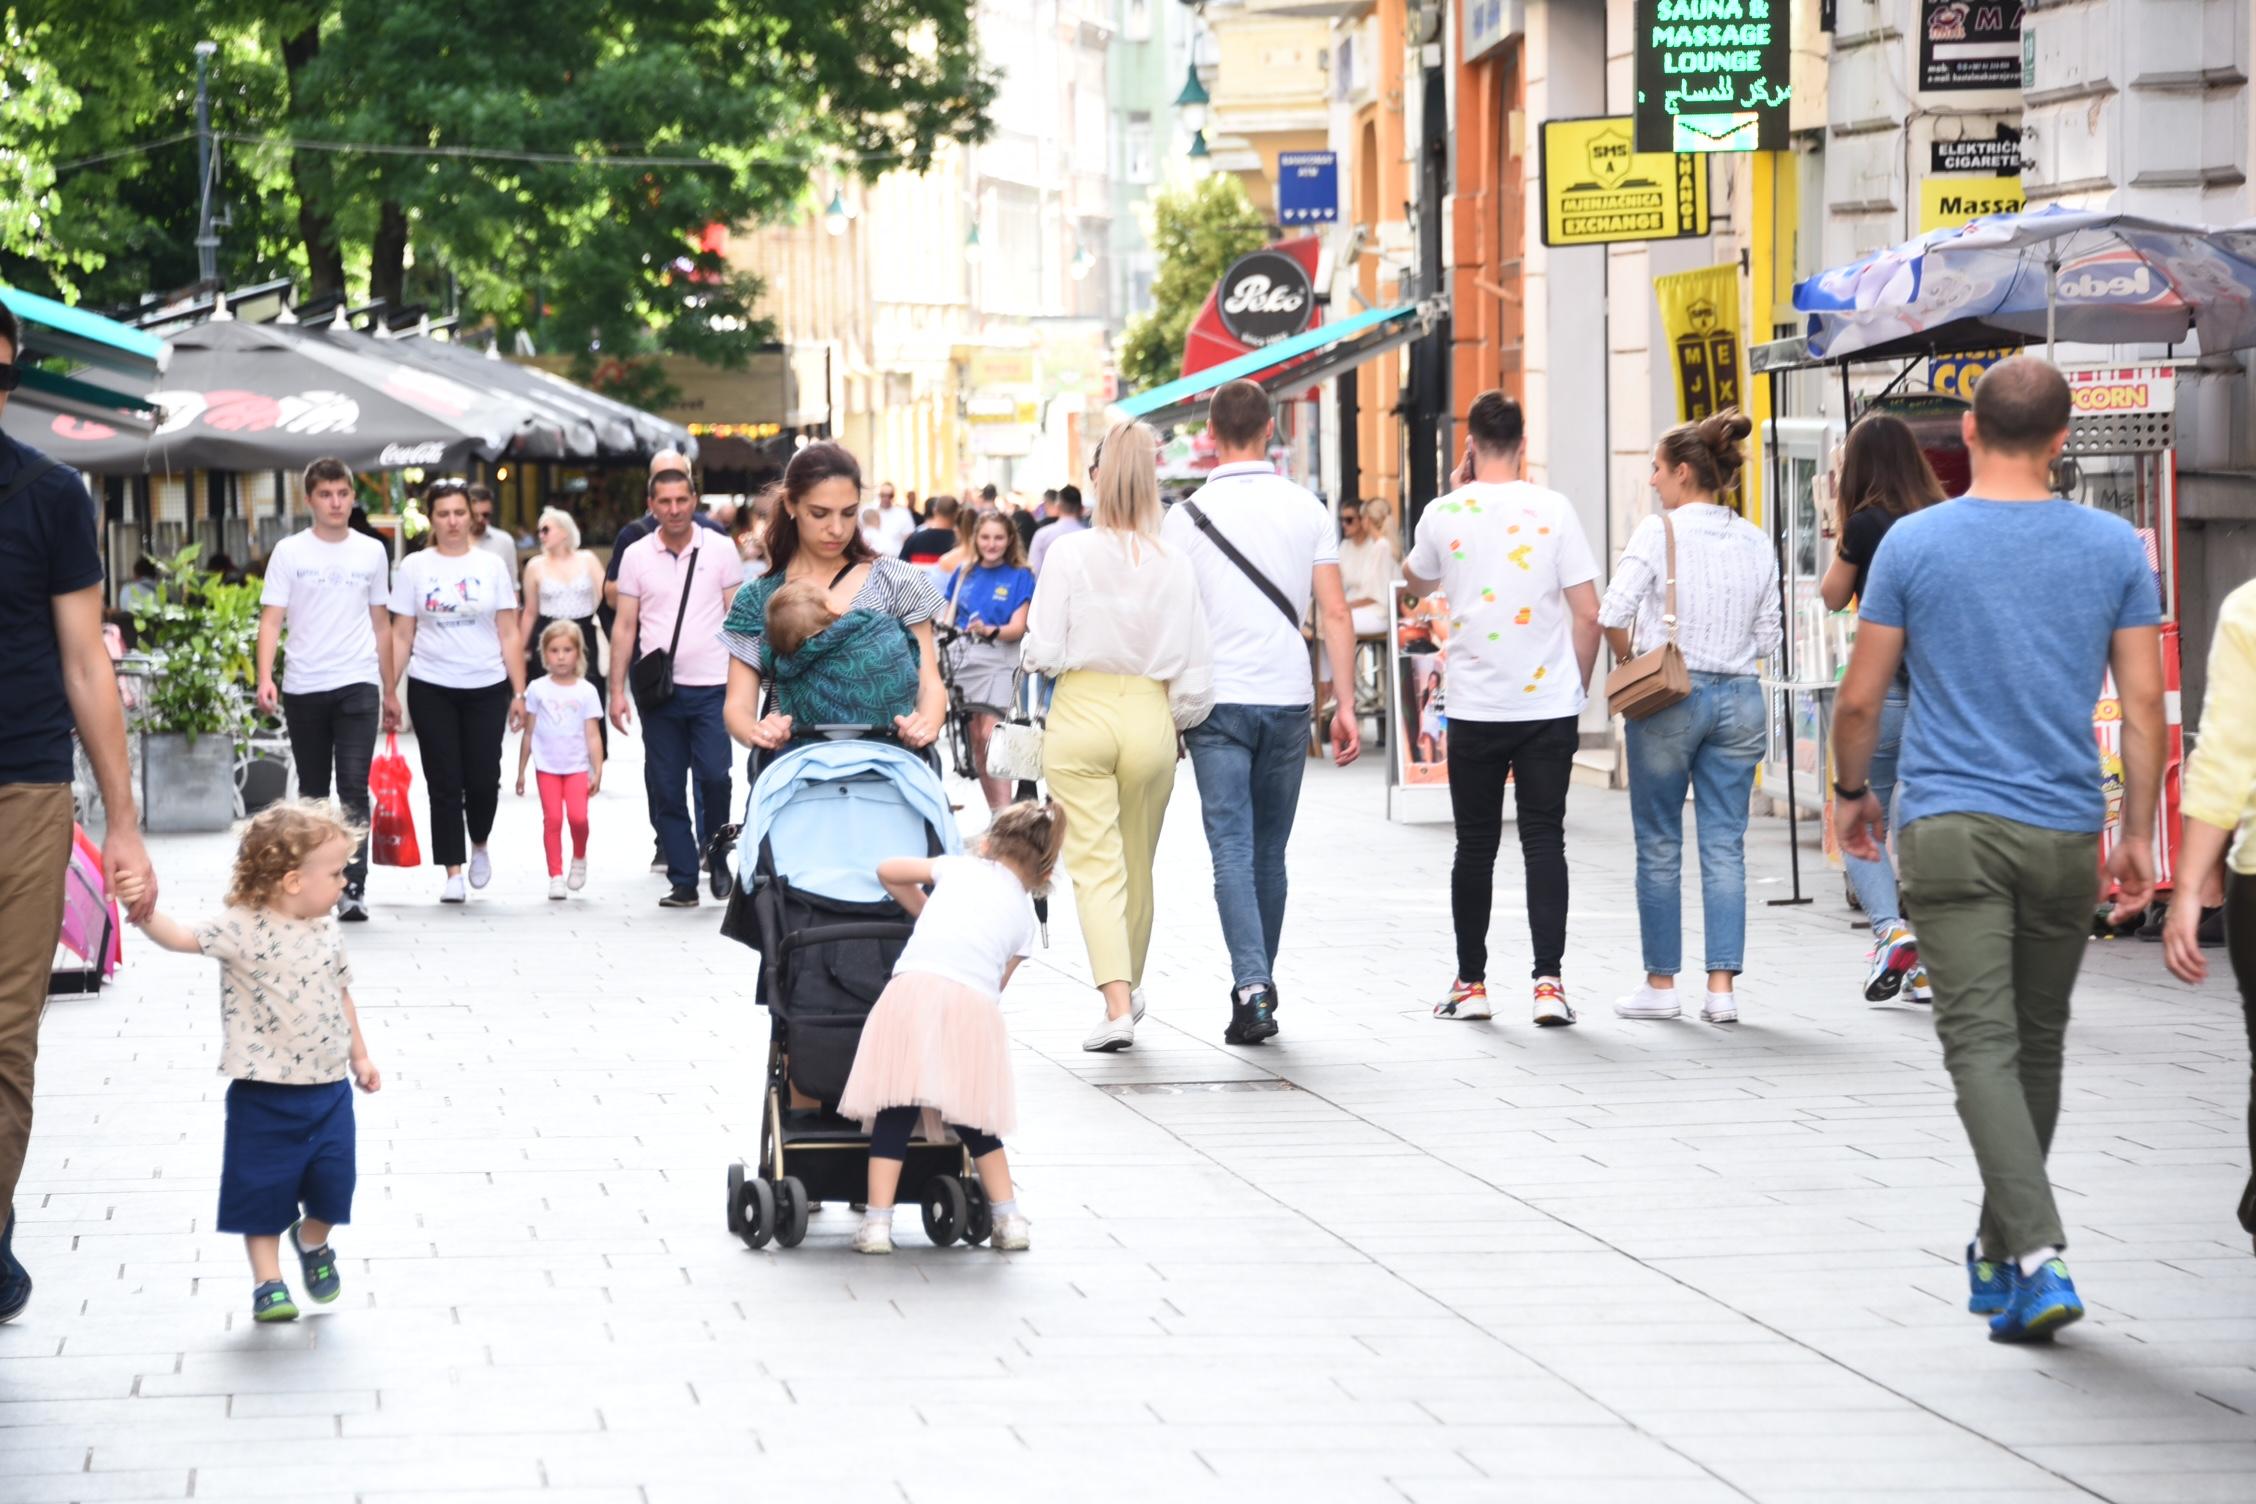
329 586
1249 752
1512 561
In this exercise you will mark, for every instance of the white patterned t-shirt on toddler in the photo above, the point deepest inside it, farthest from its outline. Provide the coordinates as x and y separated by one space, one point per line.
282 988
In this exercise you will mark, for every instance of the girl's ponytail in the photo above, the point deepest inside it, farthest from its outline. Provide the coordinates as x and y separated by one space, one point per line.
1030 836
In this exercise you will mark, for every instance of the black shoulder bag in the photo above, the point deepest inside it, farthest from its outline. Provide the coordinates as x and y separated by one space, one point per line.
652 674
1230 552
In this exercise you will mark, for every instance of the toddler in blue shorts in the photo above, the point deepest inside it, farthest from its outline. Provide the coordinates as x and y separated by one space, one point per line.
291 1039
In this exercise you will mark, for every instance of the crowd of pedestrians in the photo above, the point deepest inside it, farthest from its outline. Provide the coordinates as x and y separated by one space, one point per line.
1964 778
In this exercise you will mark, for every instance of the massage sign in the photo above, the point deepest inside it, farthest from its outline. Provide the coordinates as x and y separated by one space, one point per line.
1712 75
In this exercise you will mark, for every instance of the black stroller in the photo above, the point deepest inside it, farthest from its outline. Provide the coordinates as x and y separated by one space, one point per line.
824 813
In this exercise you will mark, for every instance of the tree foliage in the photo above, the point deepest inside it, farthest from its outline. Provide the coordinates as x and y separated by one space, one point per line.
591 253
1198 229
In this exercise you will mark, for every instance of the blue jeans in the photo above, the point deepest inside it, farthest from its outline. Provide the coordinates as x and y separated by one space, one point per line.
1248 760
685 739
1711 743
1875 882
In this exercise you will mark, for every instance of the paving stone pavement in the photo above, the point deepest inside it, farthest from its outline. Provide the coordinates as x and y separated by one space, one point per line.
1383 1258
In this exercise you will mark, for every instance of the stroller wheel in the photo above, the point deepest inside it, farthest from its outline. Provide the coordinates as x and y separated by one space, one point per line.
946 1210
756 1208
979 1220
791 1211
736 1199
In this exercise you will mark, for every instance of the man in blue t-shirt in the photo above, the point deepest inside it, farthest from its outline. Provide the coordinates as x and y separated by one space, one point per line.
2008 606
54 674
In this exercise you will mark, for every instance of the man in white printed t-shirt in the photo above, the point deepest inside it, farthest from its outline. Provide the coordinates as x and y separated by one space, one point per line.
329 586
1515 568
1249 752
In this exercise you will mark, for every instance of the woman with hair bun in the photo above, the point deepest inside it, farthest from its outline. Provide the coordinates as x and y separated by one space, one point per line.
1728 620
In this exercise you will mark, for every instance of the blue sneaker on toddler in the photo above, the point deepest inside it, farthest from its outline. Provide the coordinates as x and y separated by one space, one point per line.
2042 1304
1991 1281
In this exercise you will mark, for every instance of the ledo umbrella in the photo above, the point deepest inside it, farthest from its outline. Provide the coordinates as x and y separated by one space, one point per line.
2074 274
276 396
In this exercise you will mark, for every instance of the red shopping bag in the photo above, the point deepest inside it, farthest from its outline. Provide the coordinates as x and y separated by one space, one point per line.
391 822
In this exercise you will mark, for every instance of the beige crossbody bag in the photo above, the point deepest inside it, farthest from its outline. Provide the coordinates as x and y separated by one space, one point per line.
1653 681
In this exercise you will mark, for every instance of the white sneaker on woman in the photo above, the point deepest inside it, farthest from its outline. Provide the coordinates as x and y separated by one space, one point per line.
576 879
1136 1006
1720 1008
452 892
1648 1001
481 867
1111 1034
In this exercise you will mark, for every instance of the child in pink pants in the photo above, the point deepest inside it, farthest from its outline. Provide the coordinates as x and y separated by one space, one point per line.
563 742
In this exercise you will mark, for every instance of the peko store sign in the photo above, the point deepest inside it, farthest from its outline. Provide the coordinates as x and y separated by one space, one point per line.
1264 297
1712 75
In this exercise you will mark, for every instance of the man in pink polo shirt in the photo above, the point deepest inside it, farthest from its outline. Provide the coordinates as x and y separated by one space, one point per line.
674 590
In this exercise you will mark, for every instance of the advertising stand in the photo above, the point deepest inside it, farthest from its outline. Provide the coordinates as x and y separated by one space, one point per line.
1417 708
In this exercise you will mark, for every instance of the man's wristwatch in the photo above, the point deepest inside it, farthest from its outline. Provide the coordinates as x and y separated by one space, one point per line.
1851 795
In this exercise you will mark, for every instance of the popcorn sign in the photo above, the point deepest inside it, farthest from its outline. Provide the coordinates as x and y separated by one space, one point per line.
2137 389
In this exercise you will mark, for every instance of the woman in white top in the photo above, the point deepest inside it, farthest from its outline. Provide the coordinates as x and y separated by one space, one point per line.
1727 622
563 582
454 608
1116 618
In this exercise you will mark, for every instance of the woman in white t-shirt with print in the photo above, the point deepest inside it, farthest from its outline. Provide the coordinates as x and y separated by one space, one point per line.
564 743
454 624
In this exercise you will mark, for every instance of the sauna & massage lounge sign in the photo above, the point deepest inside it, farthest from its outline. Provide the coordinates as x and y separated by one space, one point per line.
1712 75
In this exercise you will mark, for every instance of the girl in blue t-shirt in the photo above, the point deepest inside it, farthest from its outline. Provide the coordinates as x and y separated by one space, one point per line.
987 601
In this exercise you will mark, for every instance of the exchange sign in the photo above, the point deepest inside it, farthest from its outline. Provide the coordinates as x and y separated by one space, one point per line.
1712 75
1598 189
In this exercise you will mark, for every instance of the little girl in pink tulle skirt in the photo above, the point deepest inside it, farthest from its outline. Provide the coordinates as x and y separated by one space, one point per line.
935 1045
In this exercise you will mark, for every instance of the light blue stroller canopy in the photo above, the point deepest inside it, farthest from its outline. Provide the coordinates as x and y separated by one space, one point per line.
831 811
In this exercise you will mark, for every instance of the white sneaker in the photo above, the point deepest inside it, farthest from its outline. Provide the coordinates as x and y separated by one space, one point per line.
1012 1234
577 878
481 867
1720 1008
1111 1034
874 1237
452 892
556 887
1136 1006
1648 1001
1552 1011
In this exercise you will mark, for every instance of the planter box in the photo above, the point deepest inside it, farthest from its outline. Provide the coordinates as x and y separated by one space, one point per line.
187 784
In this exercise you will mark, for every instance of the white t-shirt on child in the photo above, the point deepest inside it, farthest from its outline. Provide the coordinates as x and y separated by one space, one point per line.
978 918
560 716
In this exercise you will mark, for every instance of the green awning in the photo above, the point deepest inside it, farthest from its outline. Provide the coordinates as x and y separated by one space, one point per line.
1169 402
57 329
84 399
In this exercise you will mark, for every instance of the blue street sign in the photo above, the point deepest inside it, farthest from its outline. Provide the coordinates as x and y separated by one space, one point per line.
1307 187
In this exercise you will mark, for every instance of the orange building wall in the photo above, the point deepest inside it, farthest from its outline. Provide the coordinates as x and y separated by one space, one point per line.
1489 234
1381 188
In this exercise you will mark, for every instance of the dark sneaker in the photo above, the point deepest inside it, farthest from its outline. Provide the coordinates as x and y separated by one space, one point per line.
717 873
1252 1022
1990 1280
353 907
271 1302
2042 1304
319 1266
683 896
658 858
15 1280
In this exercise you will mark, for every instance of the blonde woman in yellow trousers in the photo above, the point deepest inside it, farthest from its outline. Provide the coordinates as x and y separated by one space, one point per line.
1116 618
2219 805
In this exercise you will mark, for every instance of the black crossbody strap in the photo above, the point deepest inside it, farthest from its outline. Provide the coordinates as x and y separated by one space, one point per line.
29 476
681 607
1230 552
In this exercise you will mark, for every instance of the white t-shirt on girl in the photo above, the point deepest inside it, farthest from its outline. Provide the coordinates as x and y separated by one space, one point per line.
453 601
978 918
560 715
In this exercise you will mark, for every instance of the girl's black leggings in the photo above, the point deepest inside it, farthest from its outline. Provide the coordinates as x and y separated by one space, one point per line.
889 1135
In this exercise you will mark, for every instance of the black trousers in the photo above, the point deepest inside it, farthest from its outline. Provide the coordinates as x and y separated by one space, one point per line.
2240 945
460 732
336 729
1538 756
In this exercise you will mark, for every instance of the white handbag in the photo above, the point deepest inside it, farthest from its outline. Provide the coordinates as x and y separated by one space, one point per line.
1014 752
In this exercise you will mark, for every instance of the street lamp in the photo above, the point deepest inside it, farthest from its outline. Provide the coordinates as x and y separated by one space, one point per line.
1083 262
973 251
1192 102
834 217
1198 149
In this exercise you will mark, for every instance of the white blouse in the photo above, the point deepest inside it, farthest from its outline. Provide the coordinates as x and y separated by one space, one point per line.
1726 590
1113 603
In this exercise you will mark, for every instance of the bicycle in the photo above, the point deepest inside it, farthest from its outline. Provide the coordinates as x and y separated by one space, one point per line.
956 730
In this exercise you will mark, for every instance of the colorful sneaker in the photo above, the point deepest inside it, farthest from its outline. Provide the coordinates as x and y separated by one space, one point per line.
1991 1281
318 1265
1468 1002
1552 1010
1917 989
271 1302
1893 959
2042 1304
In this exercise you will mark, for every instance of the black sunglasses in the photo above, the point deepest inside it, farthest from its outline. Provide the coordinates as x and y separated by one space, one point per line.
11 376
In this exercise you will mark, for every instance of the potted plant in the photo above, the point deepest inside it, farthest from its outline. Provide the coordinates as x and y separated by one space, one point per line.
196 714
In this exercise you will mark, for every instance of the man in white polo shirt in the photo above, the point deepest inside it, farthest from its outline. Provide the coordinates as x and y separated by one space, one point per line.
329 585
1512 561
1260 545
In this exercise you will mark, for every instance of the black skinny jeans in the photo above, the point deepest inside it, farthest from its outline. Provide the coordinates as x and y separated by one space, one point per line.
460 732
1538 756
889 1135
336 728
2240 945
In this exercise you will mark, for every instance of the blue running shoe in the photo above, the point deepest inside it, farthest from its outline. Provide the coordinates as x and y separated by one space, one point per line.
1991 1282
2042 1304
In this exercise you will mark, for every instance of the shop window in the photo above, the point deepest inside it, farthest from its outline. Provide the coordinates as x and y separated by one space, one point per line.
1135 20
1136 148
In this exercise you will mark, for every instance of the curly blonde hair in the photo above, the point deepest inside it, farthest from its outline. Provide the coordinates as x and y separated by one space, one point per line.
278 841
1028 834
